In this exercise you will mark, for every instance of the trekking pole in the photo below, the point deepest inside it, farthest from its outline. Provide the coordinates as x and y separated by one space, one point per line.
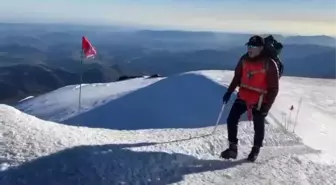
219 117
284 120
297 114
290 122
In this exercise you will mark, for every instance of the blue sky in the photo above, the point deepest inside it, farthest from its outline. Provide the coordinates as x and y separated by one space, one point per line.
306 17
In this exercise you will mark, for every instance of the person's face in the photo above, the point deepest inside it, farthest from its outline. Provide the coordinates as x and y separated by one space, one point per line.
254 51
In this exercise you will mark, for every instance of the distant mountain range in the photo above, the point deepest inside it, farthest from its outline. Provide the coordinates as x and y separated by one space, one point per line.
19 81
311 40
39 58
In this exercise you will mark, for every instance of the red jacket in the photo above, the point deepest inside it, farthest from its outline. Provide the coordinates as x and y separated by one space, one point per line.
268 81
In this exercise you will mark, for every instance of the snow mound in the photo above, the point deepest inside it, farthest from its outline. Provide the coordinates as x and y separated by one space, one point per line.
62 103
181 101
188 100
43 152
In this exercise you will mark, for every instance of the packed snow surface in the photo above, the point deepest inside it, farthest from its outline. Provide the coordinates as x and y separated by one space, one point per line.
189 100
71 149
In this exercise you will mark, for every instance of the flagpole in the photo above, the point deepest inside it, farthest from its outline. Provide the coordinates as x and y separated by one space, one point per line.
81 81
87 50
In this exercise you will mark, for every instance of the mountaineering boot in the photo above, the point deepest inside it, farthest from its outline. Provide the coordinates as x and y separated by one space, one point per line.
253 154
231 152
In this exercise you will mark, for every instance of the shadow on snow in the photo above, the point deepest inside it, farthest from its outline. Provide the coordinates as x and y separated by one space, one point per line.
181 101
109 164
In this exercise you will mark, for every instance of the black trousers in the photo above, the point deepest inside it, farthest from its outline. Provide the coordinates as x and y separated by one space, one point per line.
238 108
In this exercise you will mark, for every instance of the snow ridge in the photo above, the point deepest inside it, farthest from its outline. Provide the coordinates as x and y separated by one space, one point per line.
51 153
154 151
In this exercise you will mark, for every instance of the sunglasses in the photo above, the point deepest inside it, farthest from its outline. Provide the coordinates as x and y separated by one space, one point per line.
252 46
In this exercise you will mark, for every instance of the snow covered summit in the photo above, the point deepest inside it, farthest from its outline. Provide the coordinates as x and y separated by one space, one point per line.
125 135
188 100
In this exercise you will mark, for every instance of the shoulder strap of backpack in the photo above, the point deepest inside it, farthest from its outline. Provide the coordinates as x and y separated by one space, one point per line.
278 68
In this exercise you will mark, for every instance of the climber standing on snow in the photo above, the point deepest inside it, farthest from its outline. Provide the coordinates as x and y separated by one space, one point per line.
257 76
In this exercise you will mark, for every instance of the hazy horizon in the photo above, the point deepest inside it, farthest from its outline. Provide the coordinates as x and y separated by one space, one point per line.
290 17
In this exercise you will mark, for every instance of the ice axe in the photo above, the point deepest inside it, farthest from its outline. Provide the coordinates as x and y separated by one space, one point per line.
219 117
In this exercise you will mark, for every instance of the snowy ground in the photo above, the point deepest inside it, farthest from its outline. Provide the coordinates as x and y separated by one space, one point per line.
58 154
189 100
315 115
106 144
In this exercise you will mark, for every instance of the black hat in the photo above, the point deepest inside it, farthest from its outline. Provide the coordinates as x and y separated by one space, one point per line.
256 41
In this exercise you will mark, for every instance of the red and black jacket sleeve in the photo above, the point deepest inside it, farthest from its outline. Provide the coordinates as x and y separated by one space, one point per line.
237 75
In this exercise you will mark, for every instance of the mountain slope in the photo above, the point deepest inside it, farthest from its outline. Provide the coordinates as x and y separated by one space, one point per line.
36 151
40 152
313 116
188 100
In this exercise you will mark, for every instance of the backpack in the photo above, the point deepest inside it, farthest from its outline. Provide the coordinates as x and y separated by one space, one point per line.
273 49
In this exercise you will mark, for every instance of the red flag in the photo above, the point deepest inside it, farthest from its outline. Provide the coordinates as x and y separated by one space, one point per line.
88 49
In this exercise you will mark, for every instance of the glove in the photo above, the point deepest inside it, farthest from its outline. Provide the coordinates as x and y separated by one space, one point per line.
226 97
263 110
